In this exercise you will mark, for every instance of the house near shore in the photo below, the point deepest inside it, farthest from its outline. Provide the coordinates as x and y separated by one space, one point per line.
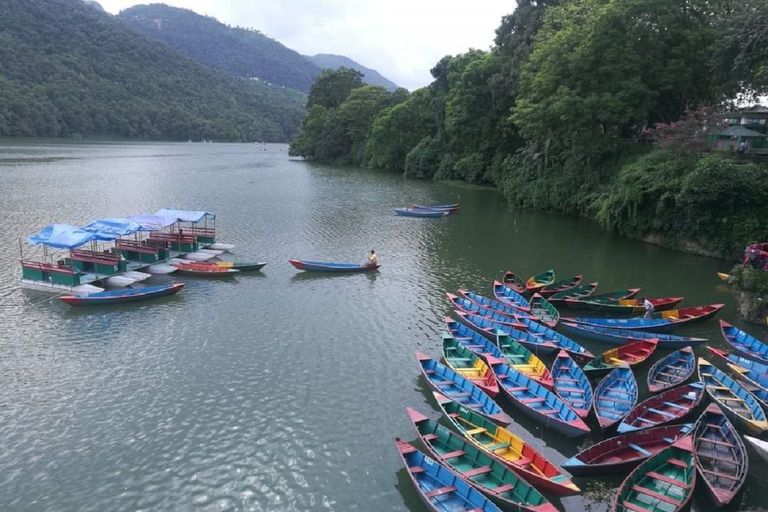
749 124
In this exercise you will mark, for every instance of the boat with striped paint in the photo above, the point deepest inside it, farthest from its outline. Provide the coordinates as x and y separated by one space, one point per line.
623 336
539 281
490 329
631 354
561 285
510 297
467 364
664 321
744 343
671 370
666 407
615 396
571 384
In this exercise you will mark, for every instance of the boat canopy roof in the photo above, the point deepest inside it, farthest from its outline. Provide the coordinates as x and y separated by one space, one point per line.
61 236
184 215
152 222
110 229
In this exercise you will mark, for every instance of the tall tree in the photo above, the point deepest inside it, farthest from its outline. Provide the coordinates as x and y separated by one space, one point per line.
333 87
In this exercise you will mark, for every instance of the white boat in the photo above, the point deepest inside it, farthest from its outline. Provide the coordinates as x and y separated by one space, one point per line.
760 446
221 247
161 268
137 276
119 280
198 256
211 251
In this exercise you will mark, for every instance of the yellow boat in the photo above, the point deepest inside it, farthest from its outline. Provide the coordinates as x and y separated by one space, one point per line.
524 361
724 277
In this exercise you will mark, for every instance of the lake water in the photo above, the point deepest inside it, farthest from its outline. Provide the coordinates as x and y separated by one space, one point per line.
279 391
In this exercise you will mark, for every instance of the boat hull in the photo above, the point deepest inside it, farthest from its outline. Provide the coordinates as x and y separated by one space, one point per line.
112 298
339 268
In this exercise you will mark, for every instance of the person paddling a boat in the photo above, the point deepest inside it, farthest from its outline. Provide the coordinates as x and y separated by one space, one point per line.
372 260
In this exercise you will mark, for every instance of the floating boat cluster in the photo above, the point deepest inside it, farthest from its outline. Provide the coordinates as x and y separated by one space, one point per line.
492 360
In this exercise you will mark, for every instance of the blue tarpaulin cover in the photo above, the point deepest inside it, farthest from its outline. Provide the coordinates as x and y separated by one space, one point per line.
152 222
184 215
110 229
61 236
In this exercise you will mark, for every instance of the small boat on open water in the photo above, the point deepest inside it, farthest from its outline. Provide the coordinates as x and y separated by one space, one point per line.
419 212
122 296
323 266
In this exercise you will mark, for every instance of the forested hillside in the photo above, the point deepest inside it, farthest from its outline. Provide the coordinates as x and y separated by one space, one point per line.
243 52
67 70
370 76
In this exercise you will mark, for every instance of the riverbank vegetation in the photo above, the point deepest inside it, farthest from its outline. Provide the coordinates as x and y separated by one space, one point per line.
598 108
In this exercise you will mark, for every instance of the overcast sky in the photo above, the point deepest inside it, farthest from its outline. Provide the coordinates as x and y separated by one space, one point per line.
401 39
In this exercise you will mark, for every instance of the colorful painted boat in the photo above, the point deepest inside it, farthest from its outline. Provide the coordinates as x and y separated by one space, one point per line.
744 343
631 306
538 402
760 446
615 396
204 270
571 384
505 349
539 281
320 266
490 330
513 282
485 472
561 285
489 303
418 212
661 322
582 303
467 306
546 313
622 453
242 266
467 364
577 292
454 386
752 374
671 370
502 444
563 342
631 354
663 483
623 336
122 296
508 296
440 488
720 455
739 405
666 407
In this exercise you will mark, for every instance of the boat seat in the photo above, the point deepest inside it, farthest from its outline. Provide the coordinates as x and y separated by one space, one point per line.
712 425
417 469
475 431
639 449
497 446
443 382
504 488
516 356
438 492
714 441
430 437
668 440
429 372
457 453
473 406
644 420
570 390
460 395
719 459
550 411
454 415
460 359
676 406
677 462
614 400
721 475
535 400
522 462
634 508
517 390
477 471
502 377
472 347
662 413
463 339
666 479
654 494
619 390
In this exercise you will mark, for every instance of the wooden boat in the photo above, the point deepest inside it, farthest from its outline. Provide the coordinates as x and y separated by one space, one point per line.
204 270
661 322
546 313
505 349
450 208
418 212
490 330
743 342
666 407
546 334
513 282
467 364
122 296
720 455
739 405
319 266
615 396
623 336
242 266
454 386
577 292
485 472
489 303
631 306
539 281
501 443
760 446
510 297
671 370
663 483
571 384
752 374
467 306
724 277
561 285
582 302
622 453
440 488
538 402
630 354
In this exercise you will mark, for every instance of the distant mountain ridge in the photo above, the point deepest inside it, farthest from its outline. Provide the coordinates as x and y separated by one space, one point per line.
371 76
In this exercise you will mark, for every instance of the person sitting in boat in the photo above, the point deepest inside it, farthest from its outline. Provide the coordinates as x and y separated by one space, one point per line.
648 305
372 260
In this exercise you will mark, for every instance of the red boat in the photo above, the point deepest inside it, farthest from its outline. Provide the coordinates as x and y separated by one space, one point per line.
667 407
513 282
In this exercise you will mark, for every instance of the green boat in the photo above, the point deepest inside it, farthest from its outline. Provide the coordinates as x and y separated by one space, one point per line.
663 483
585 303
544 310
488 474
539 281
577 292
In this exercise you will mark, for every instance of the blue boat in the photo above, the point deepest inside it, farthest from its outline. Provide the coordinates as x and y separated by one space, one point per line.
575 350
663 321
322 266
510 297
461 390
615 396
671 370
470 307
418 212
496 305
741 407
122 296
490 329
571 384
621 336
441 489
753 375
743 342
451 208
538 402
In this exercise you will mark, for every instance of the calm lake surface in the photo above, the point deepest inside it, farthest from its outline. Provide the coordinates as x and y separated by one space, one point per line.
278 391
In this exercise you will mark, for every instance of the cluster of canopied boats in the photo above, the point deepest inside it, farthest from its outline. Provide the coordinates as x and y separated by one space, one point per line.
492 349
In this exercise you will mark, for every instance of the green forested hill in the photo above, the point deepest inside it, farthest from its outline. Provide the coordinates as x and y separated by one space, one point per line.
242 52
68 70
370 76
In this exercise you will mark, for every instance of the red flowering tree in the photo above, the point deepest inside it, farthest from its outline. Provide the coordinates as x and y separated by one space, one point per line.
689 134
